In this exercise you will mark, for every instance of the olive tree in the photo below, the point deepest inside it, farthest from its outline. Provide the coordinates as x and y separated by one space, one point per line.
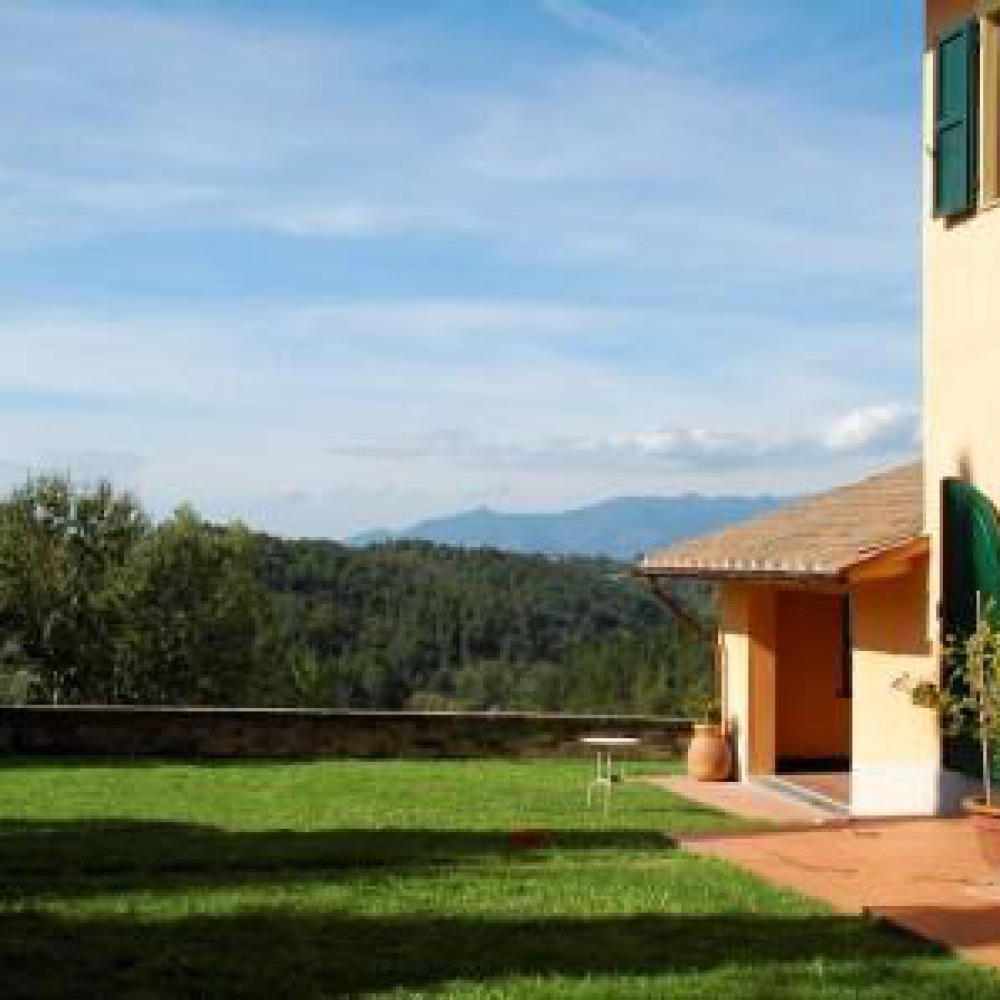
99 605
61 551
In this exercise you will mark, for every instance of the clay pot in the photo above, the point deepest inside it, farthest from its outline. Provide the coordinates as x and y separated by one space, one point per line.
986 823
709 757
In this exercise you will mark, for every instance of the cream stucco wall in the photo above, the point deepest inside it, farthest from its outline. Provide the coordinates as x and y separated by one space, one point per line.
961 339
896 746
961 331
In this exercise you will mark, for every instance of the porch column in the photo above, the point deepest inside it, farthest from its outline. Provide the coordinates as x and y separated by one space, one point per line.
747 639
763 642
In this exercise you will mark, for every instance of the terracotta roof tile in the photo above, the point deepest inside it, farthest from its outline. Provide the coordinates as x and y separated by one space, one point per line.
821 536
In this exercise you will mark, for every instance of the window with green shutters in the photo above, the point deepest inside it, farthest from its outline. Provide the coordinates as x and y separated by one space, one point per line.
956 140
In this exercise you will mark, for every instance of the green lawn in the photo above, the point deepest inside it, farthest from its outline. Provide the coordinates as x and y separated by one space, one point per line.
399 879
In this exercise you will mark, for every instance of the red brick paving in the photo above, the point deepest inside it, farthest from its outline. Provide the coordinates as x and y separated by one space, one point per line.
923 875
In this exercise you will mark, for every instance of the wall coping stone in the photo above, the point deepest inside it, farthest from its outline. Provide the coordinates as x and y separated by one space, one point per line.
124 730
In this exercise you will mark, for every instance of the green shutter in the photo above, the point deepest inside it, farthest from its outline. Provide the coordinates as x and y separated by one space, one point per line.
970 580
956 145
971 556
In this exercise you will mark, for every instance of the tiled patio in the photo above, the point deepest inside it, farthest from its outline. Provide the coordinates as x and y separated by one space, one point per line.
925 876
755 802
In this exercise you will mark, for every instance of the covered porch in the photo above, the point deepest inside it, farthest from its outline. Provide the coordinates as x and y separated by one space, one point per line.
823 608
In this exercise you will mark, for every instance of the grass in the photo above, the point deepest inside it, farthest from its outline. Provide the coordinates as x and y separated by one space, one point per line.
158 879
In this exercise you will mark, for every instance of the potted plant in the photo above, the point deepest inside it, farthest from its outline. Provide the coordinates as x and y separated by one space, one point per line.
709 757
969 703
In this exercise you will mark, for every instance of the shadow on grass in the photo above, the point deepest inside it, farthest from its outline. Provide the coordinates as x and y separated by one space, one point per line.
279 953
282 951
152 761
37 858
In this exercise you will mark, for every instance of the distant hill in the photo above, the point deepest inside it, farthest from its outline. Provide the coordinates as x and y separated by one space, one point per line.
619 529
412 624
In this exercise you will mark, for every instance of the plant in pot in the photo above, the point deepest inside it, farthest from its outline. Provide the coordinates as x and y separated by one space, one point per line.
969 704
709 757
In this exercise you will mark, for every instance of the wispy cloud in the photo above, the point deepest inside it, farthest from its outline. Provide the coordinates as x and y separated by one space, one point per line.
877 432
598 23
137 122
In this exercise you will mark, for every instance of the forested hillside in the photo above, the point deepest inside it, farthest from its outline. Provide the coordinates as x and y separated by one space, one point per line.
100 604
412 624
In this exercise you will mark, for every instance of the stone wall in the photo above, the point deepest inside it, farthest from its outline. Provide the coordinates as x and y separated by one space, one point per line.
211 732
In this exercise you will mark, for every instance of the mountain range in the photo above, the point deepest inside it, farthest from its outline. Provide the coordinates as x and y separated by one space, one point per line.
621 528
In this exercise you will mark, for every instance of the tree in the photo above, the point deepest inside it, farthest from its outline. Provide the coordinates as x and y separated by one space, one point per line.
97 604
197 615
61 549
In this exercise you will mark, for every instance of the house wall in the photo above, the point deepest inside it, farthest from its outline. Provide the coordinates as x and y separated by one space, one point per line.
782 666
961 352
961 323
813 718
896 746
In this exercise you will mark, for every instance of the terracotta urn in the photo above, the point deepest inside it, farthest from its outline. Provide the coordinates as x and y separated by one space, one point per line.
986 823
709 757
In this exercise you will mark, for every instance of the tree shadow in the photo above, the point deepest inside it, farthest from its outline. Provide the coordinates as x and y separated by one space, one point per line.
149 762
278 953
283 950
39 858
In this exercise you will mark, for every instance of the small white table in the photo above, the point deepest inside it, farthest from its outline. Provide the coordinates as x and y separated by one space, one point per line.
605 772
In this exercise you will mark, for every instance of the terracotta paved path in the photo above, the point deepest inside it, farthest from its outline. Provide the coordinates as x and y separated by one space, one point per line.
753 802
923 875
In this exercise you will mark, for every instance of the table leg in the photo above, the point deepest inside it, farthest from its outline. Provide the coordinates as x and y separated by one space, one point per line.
607 787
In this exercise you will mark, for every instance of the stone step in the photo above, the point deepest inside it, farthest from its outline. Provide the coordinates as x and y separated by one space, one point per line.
808 796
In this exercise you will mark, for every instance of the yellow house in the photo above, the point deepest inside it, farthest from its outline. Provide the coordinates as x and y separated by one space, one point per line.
825 605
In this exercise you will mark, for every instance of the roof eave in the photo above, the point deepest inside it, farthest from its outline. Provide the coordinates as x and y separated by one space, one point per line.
870 564
740 575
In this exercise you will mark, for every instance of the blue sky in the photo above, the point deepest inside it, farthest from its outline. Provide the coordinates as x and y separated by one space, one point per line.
329 265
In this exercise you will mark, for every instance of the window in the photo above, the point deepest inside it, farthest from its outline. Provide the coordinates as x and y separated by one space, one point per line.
990 166
956 124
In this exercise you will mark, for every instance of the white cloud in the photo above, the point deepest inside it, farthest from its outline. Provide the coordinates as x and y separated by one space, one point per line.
874 428
876 432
